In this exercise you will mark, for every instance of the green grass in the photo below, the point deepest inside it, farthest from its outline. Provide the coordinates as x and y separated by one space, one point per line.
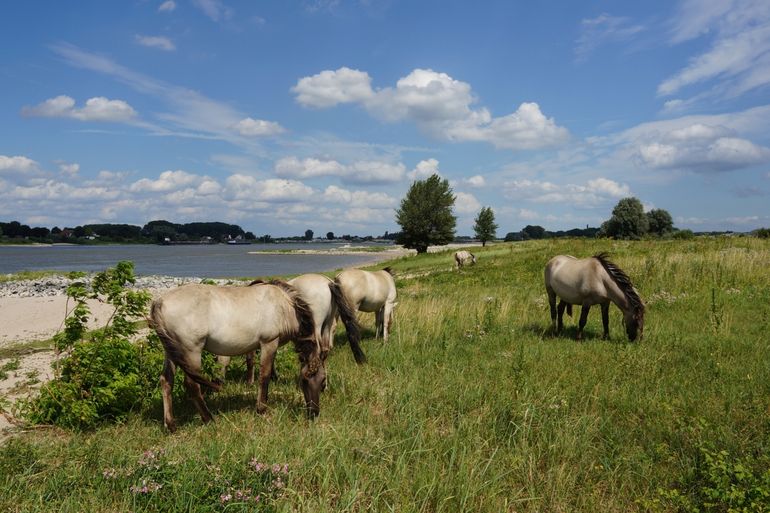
472 405
29 275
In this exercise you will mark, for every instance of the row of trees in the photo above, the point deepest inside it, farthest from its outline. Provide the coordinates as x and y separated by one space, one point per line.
426 218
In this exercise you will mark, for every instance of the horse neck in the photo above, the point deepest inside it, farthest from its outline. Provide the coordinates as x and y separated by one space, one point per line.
616 294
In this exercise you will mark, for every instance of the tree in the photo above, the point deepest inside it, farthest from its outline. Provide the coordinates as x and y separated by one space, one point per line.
628 220
660 222
485 227
425 214
534 232
330 236
308 234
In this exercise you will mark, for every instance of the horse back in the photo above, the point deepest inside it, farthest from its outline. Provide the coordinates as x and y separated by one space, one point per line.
366 290
574 280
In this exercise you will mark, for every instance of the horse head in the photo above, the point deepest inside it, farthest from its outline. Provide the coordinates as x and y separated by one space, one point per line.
634 321
312 376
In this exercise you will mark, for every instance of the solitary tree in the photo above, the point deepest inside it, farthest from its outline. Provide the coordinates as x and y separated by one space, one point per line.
660 222
330 235
485 227
628 220
425 214
308 234
534 232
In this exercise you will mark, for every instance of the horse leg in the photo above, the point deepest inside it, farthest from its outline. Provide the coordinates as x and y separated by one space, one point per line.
386 320
166 387
378 321
606 320
194 392
583 320
266 362
250 367
224 362
552 305
560 317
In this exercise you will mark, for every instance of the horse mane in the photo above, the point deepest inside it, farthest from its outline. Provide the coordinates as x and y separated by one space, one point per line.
388 270
301 309
622 280
256 282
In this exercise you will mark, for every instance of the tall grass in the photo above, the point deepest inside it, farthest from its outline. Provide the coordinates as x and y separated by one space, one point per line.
472 405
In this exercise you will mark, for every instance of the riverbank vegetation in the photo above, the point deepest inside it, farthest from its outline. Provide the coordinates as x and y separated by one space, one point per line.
473 405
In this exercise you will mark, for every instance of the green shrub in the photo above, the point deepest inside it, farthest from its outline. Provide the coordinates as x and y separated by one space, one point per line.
763 233
683 234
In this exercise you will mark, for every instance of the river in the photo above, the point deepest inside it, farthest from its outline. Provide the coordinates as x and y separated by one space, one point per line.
205 261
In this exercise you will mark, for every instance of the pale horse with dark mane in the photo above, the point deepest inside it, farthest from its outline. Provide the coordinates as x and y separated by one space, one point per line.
591 281
234 321
326 302
371 291
463 258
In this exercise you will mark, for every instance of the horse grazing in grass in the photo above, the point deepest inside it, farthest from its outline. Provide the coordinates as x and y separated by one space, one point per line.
326 302
232 321
591 281
463 258
368 291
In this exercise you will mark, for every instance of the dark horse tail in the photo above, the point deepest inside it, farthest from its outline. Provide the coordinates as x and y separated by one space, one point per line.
348 316
155 321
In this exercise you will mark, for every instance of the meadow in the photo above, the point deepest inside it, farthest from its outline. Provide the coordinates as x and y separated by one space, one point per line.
472 405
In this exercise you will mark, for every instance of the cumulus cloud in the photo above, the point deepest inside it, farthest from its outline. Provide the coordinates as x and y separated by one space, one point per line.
466 203
738 59
95 109
438 104
258 128
270 191
167 181
359 199
424 169
159 42
18 163
360 172
476 181
167 6
69 169
330 88
594 192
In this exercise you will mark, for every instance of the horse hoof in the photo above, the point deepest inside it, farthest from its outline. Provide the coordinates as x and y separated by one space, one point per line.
261 409
171 427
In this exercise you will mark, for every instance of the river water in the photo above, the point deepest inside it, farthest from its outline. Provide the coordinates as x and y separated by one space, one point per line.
205 261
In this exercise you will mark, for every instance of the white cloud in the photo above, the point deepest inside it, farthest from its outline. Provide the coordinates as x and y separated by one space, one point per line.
167 181
159 42
95 109
738 59
424 169
271 191
167 6
439 105
360 172
18 163
466 203
330 88
358 199
69 169
594 192
257 127
214 9
604 29
476 181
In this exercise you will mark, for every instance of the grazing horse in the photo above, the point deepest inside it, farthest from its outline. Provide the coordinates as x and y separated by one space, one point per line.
326 302
591 281
368 291
463 257
233 321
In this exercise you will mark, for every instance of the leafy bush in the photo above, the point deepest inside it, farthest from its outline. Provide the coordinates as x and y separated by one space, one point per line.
104 375
683 234
763 233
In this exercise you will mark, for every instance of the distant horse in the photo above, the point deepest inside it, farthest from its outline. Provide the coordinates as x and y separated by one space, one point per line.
326 302
463 258
233 321
368 291
592 281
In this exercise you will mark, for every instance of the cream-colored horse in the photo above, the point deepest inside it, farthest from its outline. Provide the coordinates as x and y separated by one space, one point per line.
371 292
591 281
233 321
463 258
326 302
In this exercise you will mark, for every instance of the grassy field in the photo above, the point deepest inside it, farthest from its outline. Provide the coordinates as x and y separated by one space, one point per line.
472 406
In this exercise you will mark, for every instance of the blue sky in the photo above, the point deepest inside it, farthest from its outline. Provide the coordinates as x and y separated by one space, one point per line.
318 114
